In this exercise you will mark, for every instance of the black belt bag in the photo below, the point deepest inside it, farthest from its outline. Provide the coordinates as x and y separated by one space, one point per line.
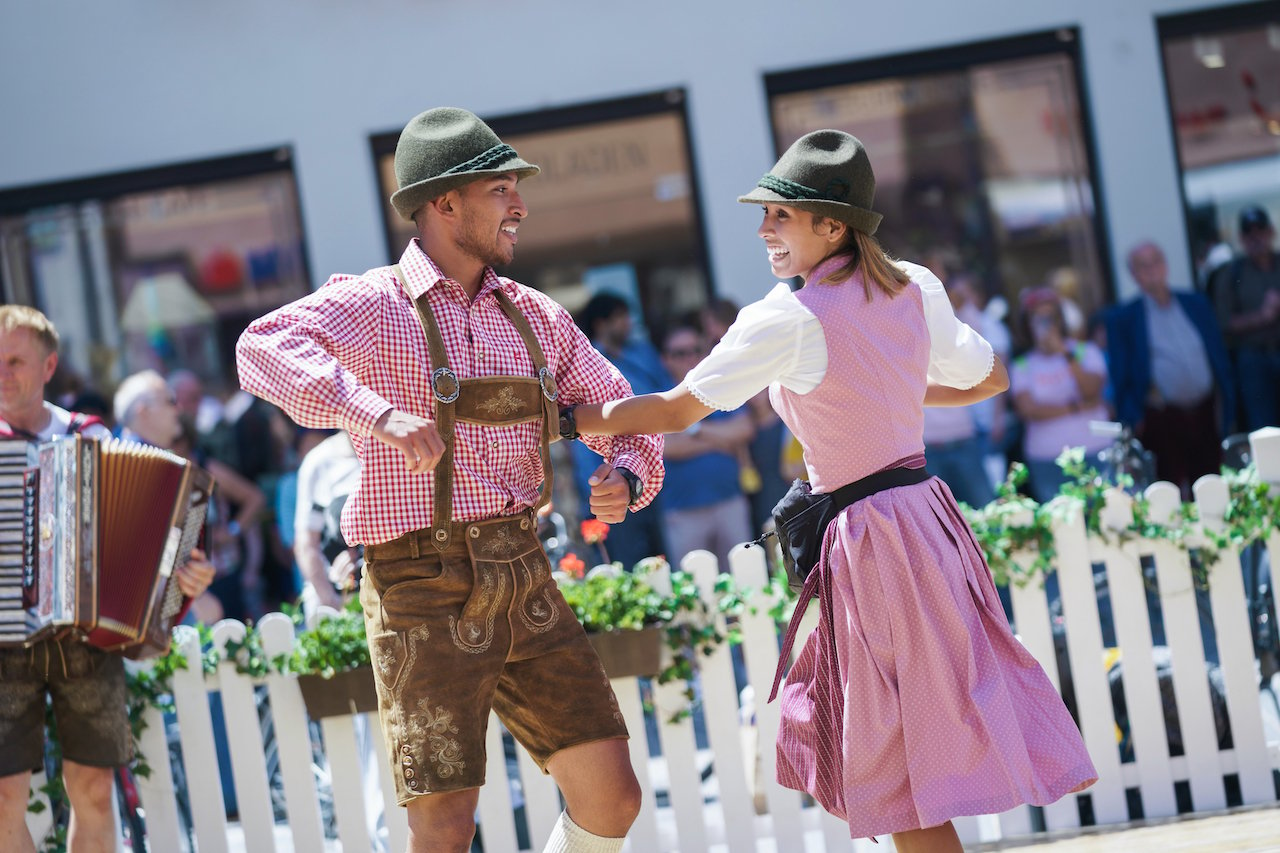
801 517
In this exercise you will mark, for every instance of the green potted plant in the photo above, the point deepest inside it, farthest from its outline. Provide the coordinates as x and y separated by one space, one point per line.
631 616
624 616
331 660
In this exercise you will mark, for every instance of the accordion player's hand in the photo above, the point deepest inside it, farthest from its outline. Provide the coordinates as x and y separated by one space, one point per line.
196 574
415 437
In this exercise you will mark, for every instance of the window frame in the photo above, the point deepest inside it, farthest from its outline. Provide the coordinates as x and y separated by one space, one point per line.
960 57
1183 25
106 188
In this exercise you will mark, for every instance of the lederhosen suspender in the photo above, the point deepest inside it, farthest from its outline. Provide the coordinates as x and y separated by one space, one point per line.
485 400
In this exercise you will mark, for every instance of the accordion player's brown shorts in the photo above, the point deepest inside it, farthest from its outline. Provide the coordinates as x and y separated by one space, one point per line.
479 626
89 705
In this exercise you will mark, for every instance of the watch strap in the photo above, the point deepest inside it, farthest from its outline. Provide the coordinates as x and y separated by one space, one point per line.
635 486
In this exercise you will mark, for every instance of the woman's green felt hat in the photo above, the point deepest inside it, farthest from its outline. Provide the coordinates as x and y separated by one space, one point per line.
827 173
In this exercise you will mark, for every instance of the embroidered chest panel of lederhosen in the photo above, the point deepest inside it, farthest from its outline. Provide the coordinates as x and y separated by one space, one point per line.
484 400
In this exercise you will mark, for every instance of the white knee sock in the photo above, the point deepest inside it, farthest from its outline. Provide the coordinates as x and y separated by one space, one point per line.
568 837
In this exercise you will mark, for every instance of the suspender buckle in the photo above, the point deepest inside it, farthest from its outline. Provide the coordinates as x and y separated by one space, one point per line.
547 382
451 387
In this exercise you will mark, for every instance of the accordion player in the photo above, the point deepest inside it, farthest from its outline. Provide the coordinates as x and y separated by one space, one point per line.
102 528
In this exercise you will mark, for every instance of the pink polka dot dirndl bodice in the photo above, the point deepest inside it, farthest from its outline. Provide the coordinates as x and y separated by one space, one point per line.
912 702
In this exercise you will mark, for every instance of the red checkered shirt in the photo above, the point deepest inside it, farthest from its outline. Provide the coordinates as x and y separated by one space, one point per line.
354 349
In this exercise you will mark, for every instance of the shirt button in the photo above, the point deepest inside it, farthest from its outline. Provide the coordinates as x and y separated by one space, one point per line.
494 445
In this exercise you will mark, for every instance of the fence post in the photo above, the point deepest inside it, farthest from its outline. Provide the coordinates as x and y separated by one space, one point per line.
721 711
1031 617
347 779
39 824
541 798
157 790
199 756
1235 649
497 813
1186 650
1084 650
244 740
292 738
679 748
760 646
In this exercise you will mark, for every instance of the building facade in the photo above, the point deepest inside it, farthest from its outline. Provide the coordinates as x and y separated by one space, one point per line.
169 171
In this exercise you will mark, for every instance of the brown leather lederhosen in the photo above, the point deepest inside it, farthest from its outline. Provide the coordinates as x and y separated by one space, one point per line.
535 668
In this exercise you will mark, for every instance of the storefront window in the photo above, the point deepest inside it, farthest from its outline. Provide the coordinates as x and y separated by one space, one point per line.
980 156
613 209
158 269
1222 70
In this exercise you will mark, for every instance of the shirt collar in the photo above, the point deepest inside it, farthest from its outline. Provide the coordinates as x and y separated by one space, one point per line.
1153 305
422 274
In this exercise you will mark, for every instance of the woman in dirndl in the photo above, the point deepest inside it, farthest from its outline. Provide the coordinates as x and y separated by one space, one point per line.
911 703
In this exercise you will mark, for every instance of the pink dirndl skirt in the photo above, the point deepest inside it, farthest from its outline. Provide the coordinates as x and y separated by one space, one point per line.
912 702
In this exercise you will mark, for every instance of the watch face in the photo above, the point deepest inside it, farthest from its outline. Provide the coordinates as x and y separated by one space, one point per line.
568 427
634 486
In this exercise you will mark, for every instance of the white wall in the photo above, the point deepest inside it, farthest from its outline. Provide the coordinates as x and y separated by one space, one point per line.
95 87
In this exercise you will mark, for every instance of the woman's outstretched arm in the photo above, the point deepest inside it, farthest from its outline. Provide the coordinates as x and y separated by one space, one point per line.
669 411
996 382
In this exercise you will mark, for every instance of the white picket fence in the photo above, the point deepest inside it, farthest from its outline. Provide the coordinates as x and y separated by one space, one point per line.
723 797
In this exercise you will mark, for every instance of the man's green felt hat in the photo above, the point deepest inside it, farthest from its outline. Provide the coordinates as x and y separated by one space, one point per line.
827 173
444 148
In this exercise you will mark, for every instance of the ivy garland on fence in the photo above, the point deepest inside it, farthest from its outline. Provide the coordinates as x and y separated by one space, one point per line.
1010 525
1014 523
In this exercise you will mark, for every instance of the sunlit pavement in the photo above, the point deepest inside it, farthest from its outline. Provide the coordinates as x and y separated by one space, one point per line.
1247 830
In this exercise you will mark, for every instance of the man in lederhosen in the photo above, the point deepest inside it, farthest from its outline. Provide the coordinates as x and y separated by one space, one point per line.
455 374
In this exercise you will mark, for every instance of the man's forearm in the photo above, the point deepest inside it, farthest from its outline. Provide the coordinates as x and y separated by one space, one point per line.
311 562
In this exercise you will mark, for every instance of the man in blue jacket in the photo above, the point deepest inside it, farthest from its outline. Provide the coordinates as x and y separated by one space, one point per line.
1170 373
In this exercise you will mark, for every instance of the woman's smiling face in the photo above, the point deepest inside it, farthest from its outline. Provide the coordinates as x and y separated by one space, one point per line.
795 240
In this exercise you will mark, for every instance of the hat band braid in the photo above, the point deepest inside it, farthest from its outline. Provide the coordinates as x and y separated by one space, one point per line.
496 155
792 190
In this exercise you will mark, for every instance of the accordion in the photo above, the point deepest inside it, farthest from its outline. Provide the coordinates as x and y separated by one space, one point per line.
91 545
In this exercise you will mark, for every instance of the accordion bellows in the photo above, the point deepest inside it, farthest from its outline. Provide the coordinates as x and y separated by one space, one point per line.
114 520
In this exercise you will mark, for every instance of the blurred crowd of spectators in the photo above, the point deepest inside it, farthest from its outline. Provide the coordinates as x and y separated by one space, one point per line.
1182 367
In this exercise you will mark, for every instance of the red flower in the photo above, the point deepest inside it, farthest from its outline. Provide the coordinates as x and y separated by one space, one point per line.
571 565
594 531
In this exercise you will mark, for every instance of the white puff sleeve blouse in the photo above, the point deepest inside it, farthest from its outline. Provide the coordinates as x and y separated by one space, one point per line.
779 340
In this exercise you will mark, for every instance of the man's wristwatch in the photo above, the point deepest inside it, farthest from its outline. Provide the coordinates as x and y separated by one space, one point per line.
568 425
635 488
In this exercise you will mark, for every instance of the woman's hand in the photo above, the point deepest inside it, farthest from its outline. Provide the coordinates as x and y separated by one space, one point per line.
997 382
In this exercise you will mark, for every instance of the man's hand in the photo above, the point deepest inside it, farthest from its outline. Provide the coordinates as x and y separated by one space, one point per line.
413 436
196 574
610 494
344 566
1271 305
